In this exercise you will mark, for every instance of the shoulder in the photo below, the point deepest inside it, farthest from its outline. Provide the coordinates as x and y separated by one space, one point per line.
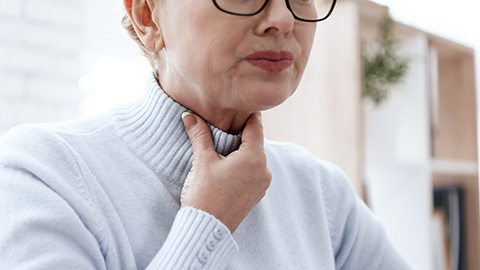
31 139
299 160
19 136
42 181
47 155
296 167
52 145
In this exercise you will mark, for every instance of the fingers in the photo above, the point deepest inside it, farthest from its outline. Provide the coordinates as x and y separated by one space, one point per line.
198 132
228 187
252 135
201 138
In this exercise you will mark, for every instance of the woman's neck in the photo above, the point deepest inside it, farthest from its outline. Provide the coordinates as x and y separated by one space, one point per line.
231 124
229 121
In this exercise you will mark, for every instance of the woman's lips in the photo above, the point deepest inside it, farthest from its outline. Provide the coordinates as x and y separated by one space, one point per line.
271 60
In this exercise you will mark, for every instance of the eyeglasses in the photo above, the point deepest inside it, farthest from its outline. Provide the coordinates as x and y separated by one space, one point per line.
302 10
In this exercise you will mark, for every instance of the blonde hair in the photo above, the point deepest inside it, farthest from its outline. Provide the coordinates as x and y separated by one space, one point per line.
153 57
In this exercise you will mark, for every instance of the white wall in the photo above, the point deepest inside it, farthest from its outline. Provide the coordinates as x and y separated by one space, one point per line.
115 71
61 59
455 20
40 48
397 158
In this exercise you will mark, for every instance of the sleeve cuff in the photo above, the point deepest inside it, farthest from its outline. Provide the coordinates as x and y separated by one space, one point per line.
197 240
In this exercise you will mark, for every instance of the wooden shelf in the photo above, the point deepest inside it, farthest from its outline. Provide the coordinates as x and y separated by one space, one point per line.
454 167
454 133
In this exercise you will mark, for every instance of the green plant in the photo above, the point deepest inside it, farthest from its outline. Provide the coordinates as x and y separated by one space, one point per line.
383 67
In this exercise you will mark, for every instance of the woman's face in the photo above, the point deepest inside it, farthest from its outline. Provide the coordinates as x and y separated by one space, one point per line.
232 62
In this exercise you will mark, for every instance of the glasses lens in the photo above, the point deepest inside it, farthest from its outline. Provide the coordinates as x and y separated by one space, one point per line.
311 9
244 7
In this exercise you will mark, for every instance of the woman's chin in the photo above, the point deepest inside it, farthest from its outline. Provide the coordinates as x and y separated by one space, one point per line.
271 96
266 101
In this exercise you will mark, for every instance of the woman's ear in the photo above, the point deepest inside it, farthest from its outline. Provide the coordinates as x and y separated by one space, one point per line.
143 20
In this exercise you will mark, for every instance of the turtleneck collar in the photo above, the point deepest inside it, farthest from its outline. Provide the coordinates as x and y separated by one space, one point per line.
152 128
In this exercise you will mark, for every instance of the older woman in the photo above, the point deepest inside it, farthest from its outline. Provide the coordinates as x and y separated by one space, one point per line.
137 188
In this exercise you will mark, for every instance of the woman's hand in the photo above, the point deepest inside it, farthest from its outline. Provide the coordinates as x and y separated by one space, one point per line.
226 187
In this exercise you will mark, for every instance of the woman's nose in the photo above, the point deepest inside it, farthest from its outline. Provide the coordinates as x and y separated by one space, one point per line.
275 19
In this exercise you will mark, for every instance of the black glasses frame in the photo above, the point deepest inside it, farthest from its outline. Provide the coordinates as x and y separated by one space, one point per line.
288 6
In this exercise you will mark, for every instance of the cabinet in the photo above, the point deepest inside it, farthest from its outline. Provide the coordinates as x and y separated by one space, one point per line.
454 133
424 136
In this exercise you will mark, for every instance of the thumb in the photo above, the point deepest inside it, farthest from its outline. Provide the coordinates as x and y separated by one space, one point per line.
198 132
253 132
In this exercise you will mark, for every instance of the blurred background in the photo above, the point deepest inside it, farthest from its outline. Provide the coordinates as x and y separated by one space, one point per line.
412 157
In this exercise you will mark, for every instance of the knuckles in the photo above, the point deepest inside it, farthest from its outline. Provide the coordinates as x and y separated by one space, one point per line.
258 162
267 179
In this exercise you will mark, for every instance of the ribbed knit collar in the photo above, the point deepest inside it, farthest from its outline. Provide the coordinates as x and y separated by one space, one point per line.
152 128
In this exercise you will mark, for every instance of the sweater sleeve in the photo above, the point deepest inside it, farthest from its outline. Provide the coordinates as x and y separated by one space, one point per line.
197 240
359 239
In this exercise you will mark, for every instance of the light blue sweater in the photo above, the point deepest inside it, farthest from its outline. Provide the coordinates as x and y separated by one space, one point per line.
104 193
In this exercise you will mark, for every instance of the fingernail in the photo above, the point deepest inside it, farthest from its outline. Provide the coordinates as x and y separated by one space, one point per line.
189 121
